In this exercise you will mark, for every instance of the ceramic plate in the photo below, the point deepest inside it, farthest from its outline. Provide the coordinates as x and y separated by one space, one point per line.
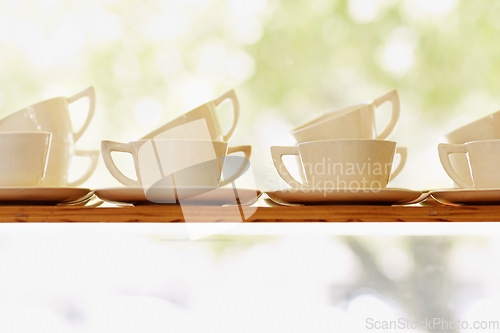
467 197
387 196
42 195
192 195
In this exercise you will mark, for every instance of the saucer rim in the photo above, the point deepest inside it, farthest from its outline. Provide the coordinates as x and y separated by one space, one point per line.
464 196
363 197
42 194
136 195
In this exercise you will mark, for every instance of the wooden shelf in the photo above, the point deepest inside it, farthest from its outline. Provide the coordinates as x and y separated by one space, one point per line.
174 213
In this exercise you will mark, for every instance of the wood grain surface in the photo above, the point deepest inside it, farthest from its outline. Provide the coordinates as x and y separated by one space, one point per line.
174 213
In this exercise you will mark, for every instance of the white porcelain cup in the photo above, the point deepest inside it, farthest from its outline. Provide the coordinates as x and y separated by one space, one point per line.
61 155
201 123
486 128
483 161
175 163
354 122
53 116
342 164
24 158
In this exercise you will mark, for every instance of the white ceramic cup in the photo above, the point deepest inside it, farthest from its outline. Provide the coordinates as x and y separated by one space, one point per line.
24 156
201 123
486 128
175 163
61 155
53 116
354 122
483 161
342 164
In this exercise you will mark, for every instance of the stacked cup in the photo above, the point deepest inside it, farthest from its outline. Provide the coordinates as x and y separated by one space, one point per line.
189 151
39 142
472 155
342 150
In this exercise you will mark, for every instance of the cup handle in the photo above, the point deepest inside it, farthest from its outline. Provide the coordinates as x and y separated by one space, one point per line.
445 150
403 154
106 148
90 94
393 98
93 155
231 95
247 150
277 153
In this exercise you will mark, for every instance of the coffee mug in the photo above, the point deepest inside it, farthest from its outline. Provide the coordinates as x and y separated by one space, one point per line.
24 157
61 155
201 123
483 161
175 163
342 164
354 122
486 128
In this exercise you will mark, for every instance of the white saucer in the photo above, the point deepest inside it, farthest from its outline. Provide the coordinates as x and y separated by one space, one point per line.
386 196
467 196
193 195
42 195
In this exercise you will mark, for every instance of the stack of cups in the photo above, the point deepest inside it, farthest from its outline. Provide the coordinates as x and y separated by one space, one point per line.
39 143
189 151
342 150
472 155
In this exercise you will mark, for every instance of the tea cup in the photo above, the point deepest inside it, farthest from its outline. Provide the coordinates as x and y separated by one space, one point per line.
175 163
486 128
483 159
353 122
24 158
53 116
61 155
200 123
342 164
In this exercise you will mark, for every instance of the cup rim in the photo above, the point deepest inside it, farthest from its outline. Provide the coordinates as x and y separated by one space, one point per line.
474 123
41 102
346 140
165 126
173 139
330 115
474 142
24 109
7 133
